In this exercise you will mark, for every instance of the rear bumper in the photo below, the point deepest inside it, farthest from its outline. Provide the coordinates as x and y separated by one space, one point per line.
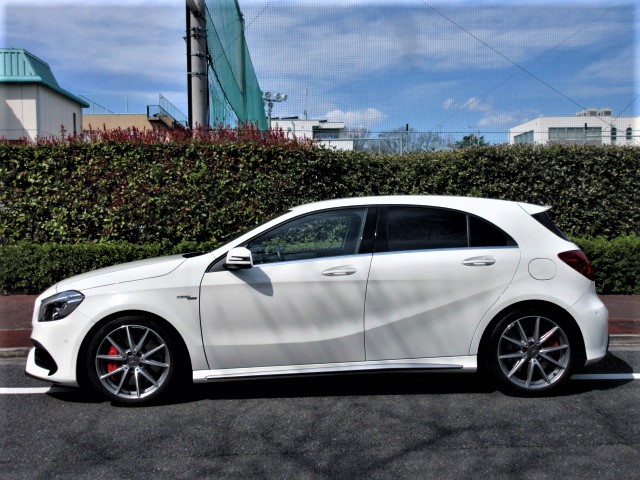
593 319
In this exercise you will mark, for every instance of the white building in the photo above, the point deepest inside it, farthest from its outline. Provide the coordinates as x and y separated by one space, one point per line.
588 127
33 105
329 134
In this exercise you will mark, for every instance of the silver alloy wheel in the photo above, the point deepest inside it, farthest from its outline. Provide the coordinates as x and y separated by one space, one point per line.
132 362
533 352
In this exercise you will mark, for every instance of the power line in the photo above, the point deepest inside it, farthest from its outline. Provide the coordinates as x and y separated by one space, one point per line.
625 108
246 27
517 65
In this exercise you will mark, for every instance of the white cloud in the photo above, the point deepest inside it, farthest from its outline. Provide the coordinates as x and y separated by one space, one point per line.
339 38
357 59
472 104
360 118
495 119
490 117
610 70
116 43
475 105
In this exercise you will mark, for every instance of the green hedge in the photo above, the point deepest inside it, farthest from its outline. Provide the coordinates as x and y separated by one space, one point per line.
98 203
616 262
148 193
30 267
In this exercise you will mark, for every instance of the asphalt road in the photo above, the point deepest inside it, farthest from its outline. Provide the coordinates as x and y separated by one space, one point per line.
413 425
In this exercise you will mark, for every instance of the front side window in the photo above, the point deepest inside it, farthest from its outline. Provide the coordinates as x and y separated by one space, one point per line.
324 234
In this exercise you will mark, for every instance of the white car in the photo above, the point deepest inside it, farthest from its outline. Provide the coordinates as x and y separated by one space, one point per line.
360 284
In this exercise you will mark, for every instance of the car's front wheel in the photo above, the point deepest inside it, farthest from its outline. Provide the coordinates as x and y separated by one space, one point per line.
532 352
131 360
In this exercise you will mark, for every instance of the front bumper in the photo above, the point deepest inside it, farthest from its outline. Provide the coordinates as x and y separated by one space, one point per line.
42 371
56 345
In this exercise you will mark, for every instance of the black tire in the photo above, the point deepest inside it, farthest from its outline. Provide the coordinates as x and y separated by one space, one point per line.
132 360
532 351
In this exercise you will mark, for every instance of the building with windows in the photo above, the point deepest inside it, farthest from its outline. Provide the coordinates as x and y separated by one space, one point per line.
588 127
330 134
34 105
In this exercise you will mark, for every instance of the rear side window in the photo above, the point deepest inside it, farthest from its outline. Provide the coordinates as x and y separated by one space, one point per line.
545 219
414 228
426 228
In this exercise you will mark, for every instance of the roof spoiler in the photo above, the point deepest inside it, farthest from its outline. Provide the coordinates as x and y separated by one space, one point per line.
533 209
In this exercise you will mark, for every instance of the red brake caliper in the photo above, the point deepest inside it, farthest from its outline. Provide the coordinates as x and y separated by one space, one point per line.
112 366
553 342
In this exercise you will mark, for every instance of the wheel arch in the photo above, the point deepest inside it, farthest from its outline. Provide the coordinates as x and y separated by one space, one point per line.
183 351
541 305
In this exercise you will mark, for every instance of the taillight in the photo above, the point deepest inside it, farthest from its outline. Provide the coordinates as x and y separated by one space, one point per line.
577 260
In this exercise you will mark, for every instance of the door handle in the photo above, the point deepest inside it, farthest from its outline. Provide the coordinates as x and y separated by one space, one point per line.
479 261
342 271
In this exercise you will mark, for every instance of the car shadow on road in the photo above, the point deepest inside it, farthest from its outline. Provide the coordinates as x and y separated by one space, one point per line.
362 384
611 363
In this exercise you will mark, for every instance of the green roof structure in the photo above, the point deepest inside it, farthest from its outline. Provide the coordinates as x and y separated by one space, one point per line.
20 66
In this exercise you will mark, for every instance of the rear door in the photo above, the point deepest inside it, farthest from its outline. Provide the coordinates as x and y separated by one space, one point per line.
434 274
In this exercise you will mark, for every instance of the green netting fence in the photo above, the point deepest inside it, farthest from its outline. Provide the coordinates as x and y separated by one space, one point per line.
234 92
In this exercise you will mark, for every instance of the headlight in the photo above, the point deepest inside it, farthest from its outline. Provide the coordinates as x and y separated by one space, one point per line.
59 306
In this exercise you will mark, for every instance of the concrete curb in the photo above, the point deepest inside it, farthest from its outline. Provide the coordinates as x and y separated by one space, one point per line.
14 352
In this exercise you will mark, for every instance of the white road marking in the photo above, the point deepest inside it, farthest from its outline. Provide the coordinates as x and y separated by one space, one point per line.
606 376
32 390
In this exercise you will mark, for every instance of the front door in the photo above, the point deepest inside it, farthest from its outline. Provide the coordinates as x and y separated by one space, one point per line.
301 303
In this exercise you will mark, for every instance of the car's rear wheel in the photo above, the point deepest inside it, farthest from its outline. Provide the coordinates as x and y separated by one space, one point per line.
131 360
532 352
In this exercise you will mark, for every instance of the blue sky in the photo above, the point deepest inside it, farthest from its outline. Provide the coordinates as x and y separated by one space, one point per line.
448 66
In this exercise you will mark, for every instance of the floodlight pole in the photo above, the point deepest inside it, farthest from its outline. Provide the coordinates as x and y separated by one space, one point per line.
197 67
269 98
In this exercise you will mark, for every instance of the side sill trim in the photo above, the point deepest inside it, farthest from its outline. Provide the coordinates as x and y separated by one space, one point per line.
460 364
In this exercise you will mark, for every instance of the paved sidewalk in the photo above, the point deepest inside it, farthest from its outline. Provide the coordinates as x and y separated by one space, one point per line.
16 312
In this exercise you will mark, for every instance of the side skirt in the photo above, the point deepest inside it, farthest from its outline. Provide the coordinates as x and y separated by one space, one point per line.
458 364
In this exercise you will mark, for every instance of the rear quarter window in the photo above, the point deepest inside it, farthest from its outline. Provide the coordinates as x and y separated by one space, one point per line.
544 219
485 234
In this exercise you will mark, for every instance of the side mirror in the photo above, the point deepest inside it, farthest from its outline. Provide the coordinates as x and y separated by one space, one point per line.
238 258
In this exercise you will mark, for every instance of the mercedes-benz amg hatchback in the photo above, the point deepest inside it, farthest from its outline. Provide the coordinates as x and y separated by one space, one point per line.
361 284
